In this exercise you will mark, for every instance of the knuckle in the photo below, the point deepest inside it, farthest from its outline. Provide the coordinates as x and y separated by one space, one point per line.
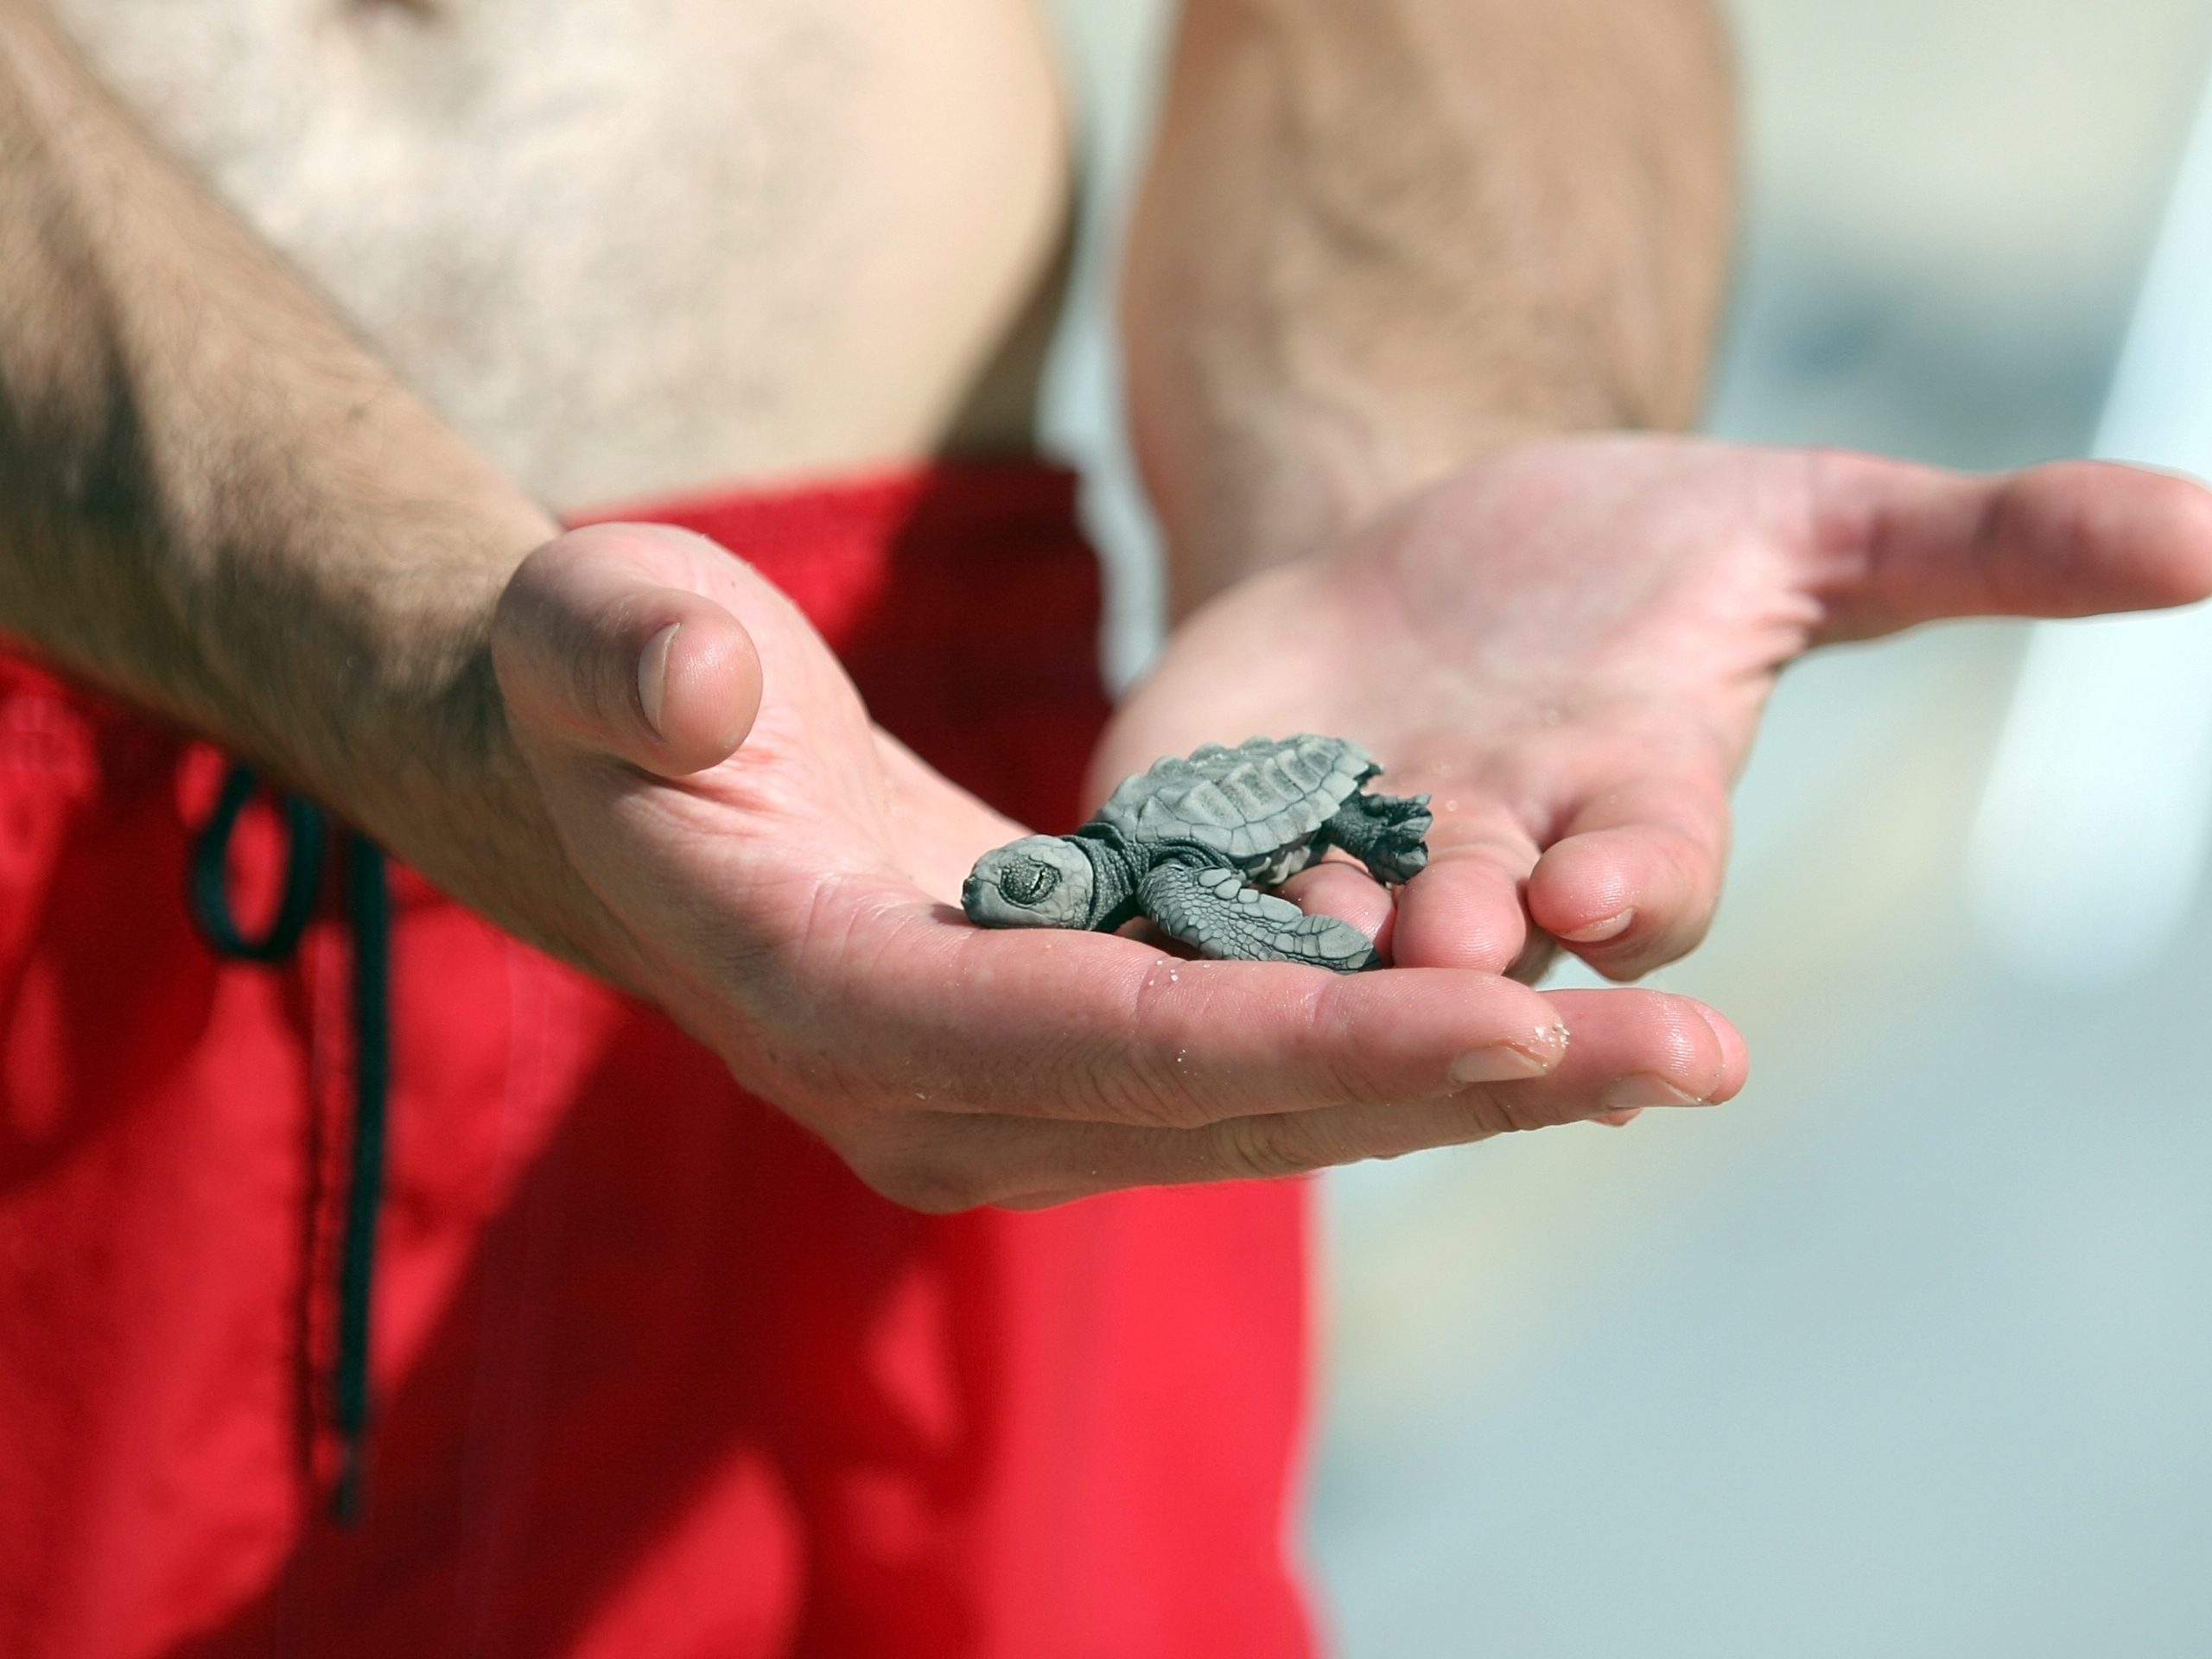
1311 1044
1263 1148
1148 1072
1185 1054
1331 1044
559 660
1135 1084
1484 1112
1165 1107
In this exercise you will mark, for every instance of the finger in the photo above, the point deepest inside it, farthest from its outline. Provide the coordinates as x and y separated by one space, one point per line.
1897 543
1465 910
1631 1050
1083 1025
1633 881
598 645
1339 888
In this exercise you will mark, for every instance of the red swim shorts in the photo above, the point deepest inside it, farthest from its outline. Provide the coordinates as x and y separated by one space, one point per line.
655 1377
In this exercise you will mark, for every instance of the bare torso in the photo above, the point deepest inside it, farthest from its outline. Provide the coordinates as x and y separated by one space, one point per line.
635 248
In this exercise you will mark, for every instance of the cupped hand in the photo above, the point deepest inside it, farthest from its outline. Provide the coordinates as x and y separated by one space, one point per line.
782 877
1569 645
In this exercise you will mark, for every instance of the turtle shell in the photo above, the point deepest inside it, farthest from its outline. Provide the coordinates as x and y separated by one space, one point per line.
1248 802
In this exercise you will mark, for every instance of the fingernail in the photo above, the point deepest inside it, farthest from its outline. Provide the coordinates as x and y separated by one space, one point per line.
1597 932
653 673
1625 1094
1500 1063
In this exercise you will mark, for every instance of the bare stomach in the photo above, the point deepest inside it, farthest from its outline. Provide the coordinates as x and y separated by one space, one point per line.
632 248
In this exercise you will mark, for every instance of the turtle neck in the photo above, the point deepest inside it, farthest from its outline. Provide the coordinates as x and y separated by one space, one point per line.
1113 876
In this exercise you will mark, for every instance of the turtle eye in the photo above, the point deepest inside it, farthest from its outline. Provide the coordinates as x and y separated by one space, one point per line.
1028 881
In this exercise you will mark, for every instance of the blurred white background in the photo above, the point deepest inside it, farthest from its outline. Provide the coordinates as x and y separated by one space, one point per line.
1908 1351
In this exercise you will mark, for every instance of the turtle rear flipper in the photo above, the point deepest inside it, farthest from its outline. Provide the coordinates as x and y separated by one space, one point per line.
1386 833
1210 908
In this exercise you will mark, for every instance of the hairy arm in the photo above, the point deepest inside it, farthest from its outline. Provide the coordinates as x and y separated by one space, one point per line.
1380 238
626 746
215 501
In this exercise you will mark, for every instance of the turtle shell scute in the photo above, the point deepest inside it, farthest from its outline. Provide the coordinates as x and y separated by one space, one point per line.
1247 802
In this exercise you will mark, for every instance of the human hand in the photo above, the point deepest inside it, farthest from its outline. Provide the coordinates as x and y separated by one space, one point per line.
1568 646
782 877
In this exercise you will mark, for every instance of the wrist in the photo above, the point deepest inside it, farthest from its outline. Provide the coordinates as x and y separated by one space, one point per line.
394 718
1252 496
444 786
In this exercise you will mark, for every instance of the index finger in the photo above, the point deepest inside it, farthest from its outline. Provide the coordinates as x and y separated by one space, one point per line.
1634 1049
1092 1027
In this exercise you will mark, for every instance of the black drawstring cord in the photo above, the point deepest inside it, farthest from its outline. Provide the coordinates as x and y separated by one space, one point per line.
368 915
368 912
211 877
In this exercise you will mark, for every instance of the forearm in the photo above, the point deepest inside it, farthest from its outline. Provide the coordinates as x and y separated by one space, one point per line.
215 502
1380 237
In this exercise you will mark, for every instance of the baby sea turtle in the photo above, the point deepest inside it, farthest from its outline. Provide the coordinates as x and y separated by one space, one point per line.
1191 842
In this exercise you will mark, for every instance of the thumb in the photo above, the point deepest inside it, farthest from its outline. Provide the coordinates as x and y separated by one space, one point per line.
602 641
1902 543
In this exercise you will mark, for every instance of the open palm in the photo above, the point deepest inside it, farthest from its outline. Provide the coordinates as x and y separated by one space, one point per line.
1569 646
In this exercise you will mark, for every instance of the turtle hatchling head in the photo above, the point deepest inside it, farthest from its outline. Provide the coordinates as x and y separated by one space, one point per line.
1038 881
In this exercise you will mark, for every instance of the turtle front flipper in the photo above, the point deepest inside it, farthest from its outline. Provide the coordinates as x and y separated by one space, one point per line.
1212 909
1386 833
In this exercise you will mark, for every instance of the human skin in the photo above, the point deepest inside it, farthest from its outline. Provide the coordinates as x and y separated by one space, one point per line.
221 505
1349 398
630 250
627 748
1579 695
